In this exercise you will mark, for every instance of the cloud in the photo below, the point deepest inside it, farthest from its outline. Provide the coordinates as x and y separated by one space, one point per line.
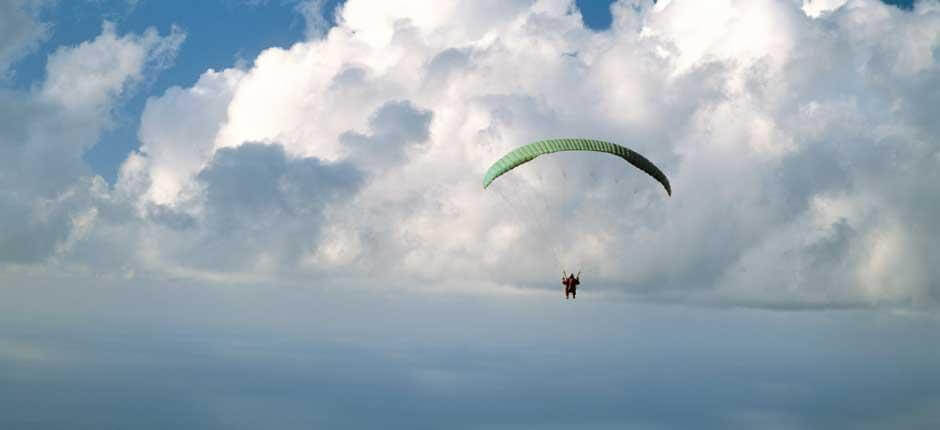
47 191
259 202
397 126
177 135
798 137
815 8
21 30
90 75
312 11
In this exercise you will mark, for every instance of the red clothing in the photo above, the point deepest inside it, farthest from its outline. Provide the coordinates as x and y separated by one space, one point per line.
571 285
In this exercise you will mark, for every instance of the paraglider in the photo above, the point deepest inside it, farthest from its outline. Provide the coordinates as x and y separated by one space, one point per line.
527 153
571 284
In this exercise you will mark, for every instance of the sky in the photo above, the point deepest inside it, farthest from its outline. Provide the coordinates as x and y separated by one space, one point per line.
269 213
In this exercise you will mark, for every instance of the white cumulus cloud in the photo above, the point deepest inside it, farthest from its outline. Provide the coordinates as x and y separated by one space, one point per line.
799 138
48 196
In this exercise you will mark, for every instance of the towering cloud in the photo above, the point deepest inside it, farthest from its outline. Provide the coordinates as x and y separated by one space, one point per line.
799 139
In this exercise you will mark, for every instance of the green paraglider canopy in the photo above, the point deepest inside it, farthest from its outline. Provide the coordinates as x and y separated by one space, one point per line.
528 152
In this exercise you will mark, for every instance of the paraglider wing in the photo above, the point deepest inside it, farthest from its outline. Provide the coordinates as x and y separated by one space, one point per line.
528 152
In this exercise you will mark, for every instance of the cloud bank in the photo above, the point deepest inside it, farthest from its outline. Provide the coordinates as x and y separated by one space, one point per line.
800 139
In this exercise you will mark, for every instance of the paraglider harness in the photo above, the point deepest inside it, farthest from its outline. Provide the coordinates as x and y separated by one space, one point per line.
570 283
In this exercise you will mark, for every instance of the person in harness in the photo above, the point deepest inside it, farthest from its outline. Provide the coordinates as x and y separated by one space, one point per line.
571 284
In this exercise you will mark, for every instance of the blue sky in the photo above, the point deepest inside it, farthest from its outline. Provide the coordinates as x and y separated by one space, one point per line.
220 33
225 216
